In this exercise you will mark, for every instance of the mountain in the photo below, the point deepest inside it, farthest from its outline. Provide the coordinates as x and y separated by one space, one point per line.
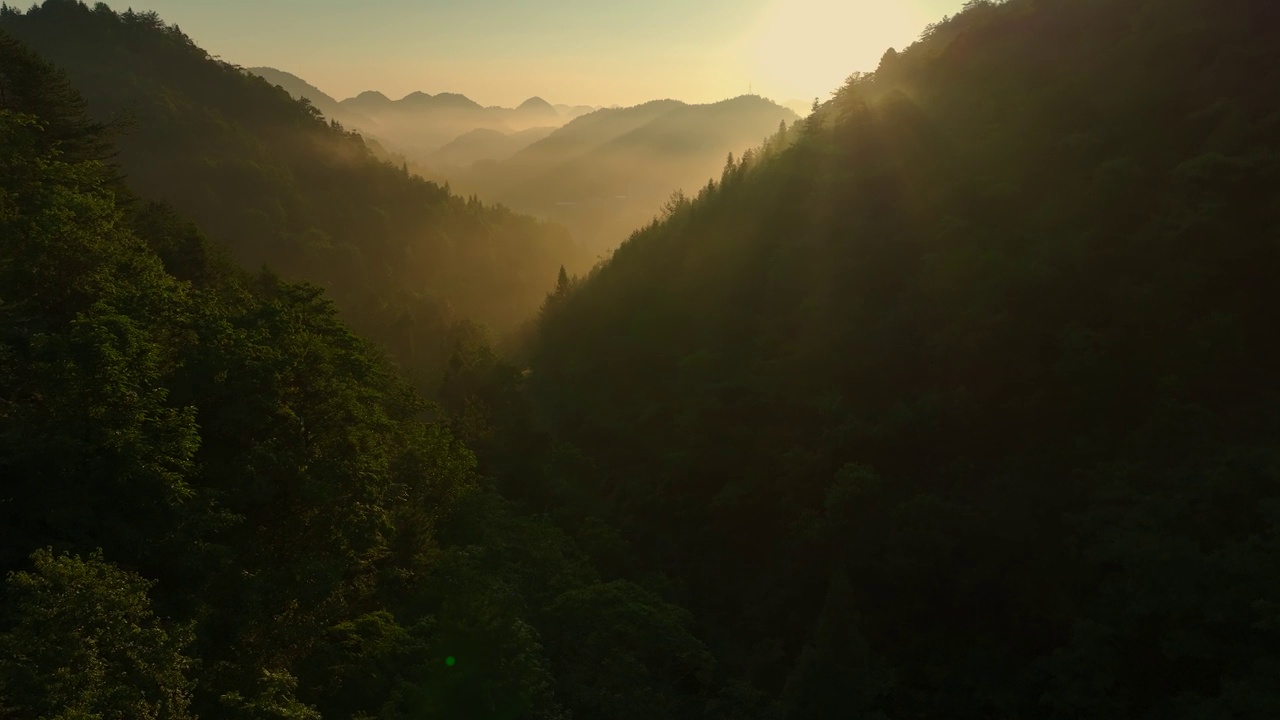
608 172
957 398
444 101
421 124
537 104
220 502
298 88
569 112
260 173
349 115
369 101
587 133
536 112
954 399
483 145
424 126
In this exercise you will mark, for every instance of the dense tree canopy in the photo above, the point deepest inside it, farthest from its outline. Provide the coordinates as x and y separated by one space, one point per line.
85 644
236 507
952 400
957 399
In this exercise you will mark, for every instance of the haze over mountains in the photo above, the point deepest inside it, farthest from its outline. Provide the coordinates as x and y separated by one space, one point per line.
420 124
266 179
480 145
609 172
954 400
600 172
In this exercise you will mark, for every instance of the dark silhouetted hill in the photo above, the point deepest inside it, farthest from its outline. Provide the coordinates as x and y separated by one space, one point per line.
261 174
957 399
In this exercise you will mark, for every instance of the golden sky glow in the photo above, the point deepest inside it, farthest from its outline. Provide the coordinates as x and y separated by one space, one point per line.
599 52
806 48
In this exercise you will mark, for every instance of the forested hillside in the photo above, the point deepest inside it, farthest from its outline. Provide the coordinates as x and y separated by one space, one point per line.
261 174
959 399
218 502
301 89
953 400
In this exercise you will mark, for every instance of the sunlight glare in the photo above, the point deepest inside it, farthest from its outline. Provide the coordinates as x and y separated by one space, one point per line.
807 48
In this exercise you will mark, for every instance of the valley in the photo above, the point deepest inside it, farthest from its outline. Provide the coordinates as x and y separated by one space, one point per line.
949 395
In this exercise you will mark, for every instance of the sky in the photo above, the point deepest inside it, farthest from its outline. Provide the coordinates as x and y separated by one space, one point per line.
591 52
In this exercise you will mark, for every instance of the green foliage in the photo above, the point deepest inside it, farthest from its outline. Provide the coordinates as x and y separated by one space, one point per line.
273 700
622 652
29 86
87 315
321 545
223 433
79 641
953 401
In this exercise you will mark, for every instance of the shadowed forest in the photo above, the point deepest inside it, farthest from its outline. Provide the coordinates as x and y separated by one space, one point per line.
953 399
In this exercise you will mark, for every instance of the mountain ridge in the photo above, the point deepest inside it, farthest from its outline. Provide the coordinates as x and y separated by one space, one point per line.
605 173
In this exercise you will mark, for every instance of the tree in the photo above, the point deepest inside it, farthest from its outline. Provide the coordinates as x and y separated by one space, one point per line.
31 86
264 176
562 282
273 699
837 675
80 641
1042 317
619 651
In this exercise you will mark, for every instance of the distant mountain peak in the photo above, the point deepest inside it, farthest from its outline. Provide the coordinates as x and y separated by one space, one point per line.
536 103
751 100
457 99
367 101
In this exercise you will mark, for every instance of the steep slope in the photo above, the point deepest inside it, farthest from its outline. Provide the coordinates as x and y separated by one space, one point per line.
957 400
606 173
218 502
299 88
257 171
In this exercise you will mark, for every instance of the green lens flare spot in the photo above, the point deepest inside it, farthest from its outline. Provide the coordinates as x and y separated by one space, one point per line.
450 661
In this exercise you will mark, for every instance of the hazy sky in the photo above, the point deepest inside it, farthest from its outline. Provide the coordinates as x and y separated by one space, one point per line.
598 52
